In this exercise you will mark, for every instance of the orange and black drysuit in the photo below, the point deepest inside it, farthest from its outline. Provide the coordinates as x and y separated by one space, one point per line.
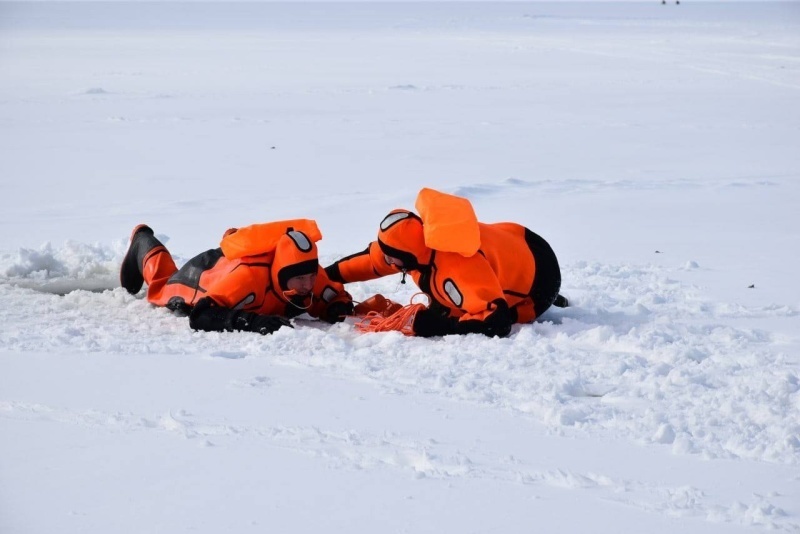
512 278
243 284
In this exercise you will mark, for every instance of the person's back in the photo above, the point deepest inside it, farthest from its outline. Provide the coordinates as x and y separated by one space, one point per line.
505 248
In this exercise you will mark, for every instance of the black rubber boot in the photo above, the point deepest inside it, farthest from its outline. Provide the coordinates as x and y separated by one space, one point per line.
561 302
130 272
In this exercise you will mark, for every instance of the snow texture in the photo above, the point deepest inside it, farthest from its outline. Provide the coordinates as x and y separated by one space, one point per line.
654 146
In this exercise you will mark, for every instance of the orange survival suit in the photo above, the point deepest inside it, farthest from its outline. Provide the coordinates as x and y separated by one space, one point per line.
243 284
507 275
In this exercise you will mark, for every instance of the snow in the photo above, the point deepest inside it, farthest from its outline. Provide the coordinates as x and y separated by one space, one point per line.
653 146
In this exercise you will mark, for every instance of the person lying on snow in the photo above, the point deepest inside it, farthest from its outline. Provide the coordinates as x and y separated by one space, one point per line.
260 277
480 278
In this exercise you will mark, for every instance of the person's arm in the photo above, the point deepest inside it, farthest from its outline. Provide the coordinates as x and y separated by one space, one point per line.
365 265
470 286
209 316
331 302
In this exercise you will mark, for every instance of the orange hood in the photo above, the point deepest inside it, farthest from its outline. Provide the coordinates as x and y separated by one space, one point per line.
295 255
401 236
291 242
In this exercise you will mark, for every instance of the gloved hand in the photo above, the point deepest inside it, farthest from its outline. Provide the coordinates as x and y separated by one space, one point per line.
209 316
263 324
435 322
497 323
336 311
432 322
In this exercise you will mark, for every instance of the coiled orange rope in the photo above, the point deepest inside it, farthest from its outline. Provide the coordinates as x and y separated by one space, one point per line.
401 321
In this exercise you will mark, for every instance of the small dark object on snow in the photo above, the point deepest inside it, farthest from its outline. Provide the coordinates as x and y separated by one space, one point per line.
659 252
561 302
751 286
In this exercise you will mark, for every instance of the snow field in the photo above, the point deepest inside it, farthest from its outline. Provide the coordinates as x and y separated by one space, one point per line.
653 146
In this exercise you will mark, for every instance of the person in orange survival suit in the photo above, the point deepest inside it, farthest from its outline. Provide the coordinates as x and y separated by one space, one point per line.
260 277
492 276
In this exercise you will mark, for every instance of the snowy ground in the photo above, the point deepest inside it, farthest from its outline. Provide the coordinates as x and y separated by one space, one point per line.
654 146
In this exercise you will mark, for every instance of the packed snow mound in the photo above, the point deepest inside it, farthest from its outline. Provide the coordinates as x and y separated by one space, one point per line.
73 259
63 269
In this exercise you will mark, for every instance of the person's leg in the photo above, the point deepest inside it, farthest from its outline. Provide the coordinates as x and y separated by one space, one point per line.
547 280
147 260
179 289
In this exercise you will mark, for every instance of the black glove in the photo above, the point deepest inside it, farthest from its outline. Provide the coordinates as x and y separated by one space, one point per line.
435 322
207 315
432 322
497 323
336 311
263 324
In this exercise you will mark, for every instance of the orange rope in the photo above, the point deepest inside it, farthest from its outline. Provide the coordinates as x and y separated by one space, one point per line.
401 321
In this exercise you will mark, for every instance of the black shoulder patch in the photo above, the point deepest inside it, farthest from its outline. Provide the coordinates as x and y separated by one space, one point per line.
189 274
